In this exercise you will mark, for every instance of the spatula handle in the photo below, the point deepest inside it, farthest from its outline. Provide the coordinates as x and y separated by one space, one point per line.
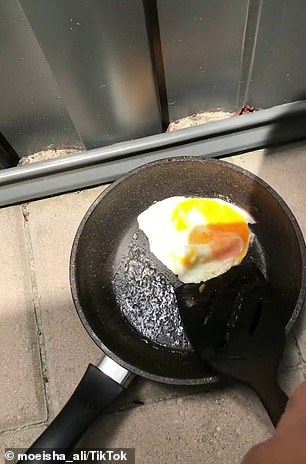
274 400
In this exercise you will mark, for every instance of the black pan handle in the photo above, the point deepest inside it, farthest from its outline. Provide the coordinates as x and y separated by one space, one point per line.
98 388
274 400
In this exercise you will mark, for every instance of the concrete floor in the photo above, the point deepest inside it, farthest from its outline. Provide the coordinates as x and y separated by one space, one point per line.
45 349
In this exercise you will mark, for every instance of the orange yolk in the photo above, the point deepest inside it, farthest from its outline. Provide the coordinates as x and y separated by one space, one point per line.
224 230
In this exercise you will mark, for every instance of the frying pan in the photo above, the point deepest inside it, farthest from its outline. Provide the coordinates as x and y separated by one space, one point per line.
103 280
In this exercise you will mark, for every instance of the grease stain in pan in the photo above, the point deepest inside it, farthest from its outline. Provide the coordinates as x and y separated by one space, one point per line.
147 299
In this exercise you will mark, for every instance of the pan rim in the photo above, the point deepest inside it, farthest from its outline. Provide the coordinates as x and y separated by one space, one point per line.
170 380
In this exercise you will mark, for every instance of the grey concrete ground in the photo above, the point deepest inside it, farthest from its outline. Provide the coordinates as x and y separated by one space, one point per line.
45 350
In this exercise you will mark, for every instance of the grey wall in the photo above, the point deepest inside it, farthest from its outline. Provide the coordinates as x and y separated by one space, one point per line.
33 115
279 69
79 73
225 54
98 52
75 73
202 43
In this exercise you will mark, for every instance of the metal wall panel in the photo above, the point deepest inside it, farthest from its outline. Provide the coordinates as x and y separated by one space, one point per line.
79 73
202 43
279 66
32 115
99 54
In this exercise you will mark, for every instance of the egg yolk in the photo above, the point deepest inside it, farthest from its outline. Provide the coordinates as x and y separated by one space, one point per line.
218 225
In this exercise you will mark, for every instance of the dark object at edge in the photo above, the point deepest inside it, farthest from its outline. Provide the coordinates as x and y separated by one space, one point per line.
236 329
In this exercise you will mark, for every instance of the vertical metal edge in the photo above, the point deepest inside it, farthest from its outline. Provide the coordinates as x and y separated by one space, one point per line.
253 17
153 30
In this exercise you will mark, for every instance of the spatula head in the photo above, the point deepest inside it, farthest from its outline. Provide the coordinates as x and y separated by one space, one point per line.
234 323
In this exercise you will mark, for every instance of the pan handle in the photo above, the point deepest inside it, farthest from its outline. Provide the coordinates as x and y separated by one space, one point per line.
98 388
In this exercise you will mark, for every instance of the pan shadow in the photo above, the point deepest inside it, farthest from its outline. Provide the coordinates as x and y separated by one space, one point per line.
130 428
283 166
142 393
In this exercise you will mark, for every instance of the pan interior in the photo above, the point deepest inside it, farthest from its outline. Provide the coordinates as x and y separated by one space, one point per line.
108 230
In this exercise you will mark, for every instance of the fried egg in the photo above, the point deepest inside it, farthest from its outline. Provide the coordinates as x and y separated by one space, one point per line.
196 238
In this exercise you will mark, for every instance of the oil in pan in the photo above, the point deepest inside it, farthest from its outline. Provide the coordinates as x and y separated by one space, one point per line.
147 299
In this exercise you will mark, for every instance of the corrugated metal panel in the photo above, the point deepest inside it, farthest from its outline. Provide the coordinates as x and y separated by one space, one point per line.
280 62
79 73
202 48
32 115
99 54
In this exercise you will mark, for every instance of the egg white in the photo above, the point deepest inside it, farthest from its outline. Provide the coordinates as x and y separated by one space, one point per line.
170 245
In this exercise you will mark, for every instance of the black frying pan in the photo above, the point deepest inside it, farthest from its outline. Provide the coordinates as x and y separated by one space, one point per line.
108 240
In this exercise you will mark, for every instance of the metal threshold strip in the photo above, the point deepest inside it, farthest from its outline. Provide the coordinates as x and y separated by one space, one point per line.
281 124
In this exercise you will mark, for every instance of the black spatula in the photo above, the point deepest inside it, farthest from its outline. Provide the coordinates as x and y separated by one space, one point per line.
234 323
